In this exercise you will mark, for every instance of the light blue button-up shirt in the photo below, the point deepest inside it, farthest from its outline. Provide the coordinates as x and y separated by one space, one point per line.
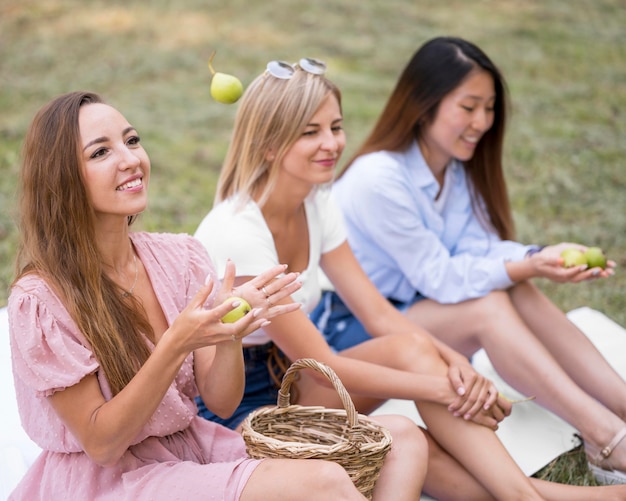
407 242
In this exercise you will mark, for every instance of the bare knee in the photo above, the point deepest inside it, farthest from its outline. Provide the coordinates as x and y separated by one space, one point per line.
302 479
487 309
332 482
406 352
405 466
409 441
405 430
490 302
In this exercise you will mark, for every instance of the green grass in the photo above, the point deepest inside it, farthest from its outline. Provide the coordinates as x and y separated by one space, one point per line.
565 62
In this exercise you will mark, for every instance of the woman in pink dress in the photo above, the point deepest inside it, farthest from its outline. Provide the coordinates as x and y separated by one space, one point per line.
114 333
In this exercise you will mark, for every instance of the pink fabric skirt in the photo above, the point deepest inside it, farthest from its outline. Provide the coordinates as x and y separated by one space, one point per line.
205 461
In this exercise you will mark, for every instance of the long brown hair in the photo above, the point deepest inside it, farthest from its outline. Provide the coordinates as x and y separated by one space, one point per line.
58 240
436 69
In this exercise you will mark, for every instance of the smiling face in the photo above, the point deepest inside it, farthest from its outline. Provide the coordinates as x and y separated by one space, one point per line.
313 157
116 168
463 116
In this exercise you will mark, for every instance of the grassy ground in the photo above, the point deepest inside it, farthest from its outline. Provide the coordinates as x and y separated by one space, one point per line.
564 61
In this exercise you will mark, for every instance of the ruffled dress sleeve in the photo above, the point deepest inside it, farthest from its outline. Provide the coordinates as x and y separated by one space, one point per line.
48 354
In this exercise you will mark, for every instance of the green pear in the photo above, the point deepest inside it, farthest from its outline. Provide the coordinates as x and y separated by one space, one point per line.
573 257
237 312
225 88
595 257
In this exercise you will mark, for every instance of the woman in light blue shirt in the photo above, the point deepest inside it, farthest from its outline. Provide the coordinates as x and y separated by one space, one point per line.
428 217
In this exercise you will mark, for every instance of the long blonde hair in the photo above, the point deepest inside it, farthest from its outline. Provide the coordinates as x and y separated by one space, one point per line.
271 117
58 240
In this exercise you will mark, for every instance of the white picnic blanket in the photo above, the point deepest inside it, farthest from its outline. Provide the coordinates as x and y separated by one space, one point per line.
533 435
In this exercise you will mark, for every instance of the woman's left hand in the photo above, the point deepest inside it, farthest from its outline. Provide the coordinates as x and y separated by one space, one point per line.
264 292
479 400
549 264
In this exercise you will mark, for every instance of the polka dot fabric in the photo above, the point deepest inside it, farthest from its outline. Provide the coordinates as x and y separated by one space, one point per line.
178 455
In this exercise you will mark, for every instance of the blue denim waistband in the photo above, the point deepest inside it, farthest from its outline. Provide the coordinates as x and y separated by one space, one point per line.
257 353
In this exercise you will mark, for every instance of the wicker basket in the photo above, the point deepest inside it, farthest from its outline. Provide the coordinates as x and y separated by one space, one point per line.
353 440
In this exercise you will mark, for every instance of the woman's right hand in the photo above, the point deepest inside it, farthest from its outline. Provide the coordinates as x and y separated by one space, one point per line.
198 326
548 263
480 401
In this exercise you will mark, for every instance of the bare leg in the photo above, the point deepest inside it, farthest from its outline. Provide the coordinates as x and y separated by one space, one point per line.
306 479
404 470
524 361
447 480
475 447
570 347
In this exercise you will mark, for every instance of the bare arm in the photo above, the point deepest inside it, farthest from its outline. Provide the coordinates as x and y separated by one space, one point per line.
106 429
474 392
298 337
224 362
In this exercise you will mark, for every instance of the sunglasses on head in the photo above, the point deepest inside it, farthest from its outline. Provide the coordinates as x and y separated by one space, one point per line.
284 70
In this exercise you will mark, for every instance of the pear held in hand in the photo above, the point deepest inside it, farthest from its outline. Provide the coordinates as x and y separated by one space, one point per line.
595 257
573 257
225 88
237 312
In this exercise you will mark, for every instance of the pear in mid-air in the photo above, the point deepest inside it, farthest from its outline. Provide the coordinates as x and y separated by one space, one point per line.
225 88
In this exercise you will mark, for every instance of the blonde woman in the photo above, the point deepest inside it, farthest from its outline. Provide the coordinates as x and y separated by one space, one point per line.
272 207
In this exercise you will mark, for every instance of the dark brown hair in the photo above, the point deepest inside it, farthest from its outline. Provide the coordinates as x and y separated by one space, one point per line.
437 68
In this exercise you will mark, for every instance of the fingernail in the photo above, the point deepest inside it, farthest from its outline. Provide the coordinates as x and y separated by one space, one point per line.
256 311
234 304
266 323
208 279
595 273
461 391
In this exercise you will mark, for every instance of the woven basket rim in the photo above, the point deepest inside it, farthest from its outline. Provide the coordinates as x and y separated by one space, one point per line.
312 413
362 459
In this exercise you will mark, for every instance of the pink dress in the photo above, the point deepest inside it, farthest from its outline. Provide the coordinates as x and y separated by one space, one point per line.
177 455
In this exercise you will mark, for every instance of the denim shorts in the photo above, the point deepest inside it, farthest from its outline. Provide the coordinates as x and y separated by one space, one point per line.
260 389
339 326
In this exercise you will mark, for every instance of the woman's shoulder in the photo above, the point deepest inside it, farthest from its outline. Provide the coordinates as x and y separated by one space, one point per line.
32 284
378 166
233 212
373 171
378 159
166 241
234 207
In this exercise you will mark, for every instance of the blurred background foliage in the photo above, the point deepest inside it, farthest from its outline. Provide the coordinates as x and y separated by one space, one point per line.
564 62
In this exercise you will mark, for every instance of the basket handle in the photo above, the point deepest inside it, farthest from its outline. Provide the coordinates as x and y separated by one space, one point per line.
310 363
